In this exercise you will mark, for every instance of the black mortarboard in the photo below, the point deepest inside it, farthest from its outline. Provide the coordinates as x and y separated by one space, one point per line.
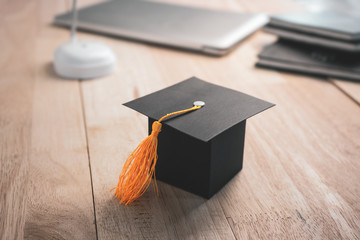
199 151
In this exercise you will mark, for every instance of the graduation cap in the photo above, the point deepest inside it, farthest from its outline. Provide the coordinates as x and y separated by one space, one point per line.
198 149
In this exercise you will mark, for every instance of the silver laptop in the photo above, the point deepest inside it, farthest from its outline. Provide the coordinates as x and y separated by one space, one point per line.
208 31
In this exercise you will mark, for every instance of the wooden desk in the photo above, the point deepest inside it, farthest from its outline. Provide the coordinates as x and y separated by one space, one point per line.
63 142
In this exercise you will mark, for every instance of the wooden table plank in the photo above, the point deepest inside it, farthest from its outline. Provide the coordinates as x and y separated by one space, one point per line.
299 180
15 124
45 185
352 89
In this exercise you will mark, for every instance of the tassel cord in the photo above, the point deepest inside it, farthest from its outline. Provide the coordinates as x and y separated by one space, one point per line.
139 167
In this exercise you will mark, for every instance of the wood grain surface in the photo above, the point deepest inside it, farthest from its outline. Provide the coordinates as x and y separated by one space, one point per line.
352 89
63 143
45 183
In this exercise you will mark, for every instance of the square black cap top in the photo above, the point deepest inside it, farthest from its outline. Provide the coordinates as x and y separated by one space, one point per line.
223 107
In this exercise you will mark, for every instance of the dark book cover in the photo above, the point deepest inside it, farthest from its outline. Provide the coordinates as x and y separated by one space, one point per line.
302 37
310 59
325 23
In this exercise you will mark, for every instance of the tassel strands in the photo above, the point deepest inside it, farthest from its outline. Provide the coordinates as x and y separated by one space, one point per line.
139 167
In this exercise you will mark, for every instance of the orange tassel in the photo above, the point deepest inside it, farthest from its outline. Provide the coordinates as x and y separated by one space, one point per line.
139 167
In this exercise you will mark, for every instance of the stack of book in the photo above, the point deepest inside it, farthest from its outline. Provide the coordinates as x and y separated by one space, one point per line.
322 43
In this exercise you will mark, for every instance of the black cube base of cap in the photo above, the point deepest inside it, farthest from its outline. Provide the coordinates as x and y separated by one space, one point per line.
199 167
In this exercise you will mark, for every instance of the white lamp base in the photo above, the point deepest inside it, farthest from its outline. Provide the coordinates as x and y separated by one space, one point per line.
84 60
